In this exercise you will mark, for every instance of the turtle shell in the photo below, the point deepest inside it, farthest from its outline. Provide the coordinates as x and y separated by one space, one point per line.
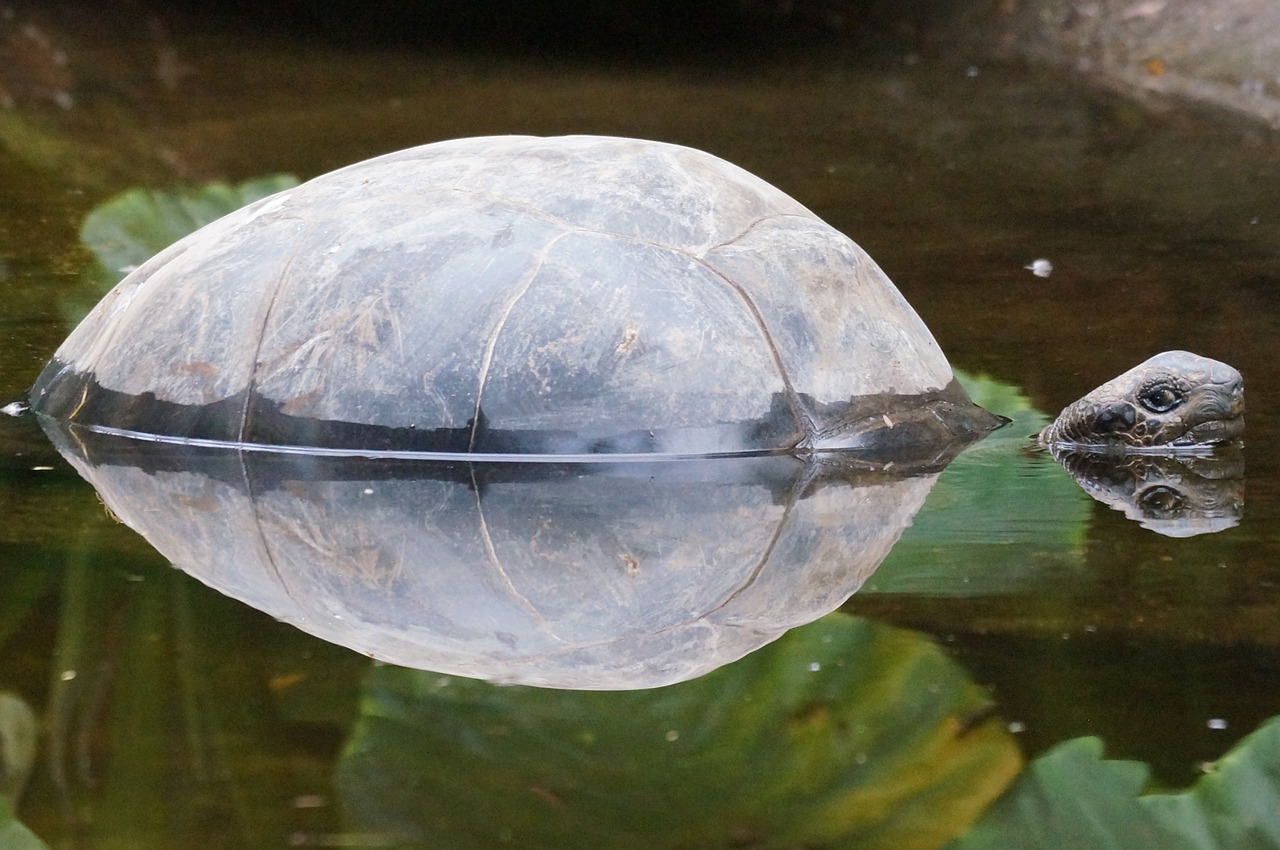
566 296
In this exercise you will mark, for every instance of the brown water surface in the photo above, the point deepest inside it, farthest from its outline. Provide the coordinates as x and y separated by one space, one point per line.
1163 230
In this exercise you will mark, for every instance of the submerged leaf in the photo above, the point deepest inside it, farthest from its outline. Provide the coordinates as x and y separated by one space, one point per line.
1071 798
843 733
15 836
1235 806
127 230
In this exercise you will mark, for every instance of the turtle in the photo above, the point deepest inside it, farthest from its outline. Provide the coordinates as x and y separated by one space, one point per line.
517 296
1173 402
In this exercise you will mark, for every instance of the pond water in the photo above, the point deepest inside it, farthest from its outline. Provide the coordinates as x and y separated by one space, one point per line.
1014 615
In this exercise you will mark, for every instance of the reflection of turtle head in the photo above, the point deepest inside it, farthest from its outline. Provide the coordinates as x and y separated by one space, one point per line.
1177 496
1174 400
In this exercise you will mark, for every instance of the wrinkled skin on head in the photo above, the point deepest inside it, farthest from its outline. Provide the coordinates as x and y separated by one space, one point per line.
1174 401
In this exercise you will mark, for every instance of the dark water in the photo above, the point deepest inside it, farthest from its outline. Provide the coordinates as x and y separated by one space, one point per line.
173 716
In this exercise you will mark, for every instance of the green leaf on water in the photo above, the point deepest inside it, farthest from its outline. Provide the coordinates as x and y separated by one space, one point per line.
15 836
843 733
127 230
1236 805
1072 798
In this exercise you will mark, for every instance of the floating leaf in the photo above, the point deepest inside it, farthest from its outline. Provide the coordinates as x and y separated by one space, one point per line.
15 836
843 733
125 231
1071 798
1237 805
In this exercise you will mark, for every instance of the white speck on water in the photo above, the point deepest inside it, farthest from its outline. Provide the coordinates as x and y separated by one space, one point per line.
1017 726
14 408
1040 267
860 758
310 801
67 675
972 71
368 491
814 666
127 269
42 469
1217 723
1254 220
672 735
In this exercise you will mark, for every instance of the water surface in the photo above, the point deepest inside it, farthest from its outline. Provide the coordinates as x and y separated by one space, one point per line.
176 717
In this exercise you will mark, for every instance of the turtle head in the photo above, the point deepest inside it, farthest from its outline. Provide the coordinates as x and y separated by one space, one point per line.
1174 400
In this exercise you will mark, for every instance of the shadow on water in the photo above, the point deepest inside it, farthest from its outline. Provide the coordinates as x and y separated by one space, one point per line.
1013 614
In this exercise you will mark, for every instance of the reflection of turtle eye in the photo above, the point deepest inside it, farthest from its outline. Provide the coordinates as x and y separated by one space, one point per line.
1160 398
1160 500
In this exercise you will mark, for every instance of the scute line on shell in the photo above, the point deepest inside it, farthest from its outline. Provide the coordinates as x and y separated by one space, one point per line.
252 385
486 363
244 414
742 587
492 552
538 212
753 225
803 421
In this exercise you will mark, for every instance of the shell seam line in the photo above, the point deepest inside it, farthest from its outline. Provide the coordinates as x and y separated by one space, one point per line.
263 540
491 552
751 579
803 420
570 227
262 333
486 362
752 226
734 594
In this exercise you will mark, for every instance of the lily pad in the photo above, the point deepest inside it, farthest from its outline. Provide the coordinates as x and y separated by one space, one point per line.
843 733
1072 798
128 229
15 836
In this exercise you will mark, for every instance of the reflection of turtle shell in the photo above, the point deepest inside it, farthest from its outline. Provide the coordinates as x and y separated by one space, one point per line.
591 575
572 295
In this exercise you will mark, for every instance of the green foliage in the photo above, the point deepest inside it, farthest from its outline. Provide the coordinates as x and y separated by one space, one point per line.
843 733
127 230
1071 798
15 836
1003 517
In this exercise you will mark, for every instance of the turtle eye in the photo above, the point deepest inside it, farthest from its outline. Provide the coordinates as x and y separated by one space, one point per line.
1160 398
